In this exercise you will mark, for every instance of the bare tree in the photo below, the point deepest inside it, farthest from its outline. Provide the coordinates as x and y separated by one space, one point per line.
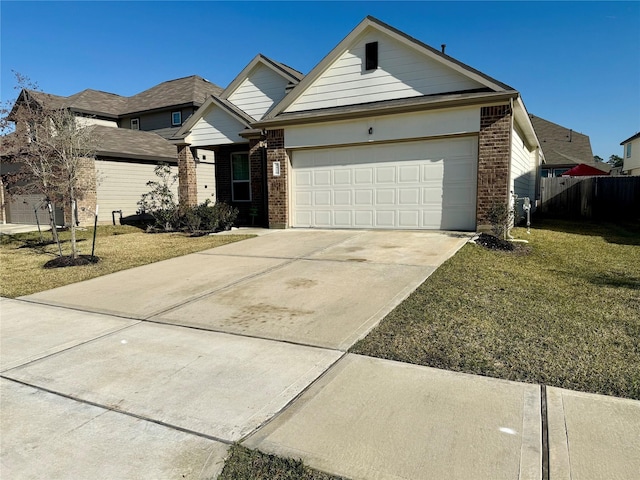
49 147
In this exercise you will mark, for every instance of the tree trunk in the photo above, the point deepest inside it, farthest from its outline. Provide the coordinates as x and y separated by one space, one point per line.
74 250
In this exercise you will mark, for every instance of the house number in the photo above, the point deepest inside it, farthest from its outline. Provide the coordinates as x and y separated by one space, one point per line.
276 169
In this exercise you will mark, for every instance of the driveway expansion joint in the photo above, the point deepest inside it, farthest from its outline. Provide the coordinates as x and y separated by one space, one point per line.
108 408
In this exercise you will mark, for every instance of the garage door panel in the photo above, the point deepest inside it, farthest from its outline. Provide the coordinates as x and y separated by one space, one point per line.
342 177
409 219
385 219
422 184
385 196
364 219
363 176
342 218
322 197
342 197
409 196
363 198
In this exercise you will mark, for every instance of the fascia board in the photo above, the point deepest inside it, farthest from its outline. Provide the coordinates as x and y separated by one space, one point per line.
420 104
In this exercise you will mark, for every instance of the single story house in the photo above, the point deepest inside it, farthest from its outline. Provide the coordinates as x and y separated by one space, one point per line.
385 132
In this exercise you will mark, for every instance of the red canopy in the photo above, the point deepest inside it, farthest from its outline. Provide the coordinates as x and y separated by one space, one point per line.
583 170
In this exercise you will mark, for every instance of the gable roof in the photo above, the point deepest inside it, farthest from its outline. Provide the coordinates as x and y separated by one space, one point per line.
280 68
226 106
561 145
630 139
137 144
488 83
192 90
181 91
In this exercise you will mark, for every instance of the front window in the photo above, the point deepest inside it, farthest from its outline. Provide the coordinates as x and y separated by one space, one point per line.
176 118
629 150
240 177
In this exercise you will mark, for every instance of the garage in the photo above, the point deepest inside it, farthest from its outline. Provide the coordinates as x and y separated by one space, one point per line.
426 184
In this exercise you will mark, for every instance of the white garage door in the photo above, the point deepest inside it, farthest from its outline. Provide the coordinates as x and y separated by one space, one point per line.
414 185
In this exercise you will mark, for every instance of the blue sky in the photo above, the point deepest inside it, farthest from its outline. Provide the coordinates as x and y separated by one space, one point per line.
575 63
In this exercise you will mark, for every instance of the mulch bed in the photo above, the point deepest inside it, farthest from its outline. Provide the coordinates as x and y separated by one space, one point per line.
68 261
494 243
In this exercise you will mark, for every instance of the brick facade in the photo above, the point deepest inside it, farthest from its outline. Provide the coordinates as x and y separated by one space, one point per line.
188 182
224 194
277 186
494 154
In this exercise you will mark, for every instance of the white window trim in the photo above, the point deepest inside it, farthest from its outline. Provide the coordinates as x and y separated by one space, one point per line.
172 118
233 182
136 122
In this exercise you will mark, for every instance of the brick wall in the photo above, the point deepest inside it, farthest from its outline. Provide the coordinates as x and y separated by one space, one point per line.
494 153
187 179
277 186
256 151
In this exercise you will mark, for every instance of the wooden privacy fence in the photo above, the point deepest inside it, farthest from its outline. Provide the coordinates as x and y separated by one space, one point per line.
599 198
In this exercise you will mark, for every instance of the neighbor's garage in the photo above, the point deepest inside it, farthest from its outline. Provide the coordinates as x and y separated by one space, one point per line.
428 184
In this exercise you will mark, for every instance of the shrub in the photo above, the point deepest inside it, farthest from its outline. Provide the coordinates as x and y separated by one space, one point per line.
501 218
209 218
160 201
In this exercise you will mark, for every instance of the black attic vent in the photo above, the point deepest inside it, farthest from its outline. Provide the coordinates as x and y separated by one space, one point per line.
371 56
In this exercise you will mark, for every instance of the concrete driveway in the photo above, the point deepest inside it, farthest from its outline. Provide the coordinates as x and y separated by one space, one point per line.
320 288
180 358
153 372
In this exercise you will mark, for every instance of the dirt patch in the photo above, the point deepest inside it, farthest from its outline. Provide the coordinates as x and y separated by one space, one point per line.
68 261
494 243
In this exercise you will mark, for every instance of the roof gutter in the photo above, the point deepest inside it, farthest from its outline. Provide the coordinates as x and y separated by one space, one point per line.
418 104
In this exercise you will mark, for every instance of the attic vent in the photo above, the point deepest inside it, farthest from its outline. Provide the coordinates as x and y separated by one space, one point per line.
371 56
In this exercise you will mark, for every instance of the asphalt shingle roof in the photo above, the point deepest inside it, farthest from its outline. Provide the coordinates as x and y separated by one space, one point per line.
125 143
182 91
561 145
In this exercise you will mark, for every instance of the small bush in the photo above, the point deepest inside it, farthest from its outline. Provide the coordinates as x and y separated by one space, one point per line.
501 218
208 218
160 202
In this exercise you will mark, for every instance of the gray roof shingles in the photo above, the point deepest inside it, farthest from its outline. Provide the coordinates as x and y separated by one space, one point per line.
125 143
561 145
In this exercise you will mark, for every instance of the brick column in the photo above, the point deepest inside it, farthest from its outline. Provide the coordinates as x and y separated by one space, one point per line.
256 151
187 179
277 186
494 154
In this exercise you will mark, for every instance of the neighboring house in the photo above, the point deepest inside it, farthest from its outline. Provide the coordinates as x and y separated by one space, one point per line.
631 155
132 134
563 148
385 132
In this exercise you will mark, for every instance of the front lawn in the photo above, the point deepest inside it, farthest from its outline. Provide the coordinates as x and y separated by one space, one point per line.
119 247
566 314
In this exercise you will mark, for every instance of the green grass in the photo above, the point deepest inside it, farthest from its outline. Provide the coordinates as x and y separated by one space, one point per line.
566 314
245 464
119 248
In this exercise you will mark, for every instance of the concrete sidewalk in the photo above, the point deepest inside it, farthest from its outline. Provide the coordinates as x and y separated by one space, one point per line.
155 371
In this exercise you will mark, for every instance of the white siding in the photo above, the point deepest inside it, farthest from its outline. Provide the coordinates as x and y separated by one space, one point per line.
402 73
523 168
216 127
385 128
121 185
259 91
96 121
413 185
